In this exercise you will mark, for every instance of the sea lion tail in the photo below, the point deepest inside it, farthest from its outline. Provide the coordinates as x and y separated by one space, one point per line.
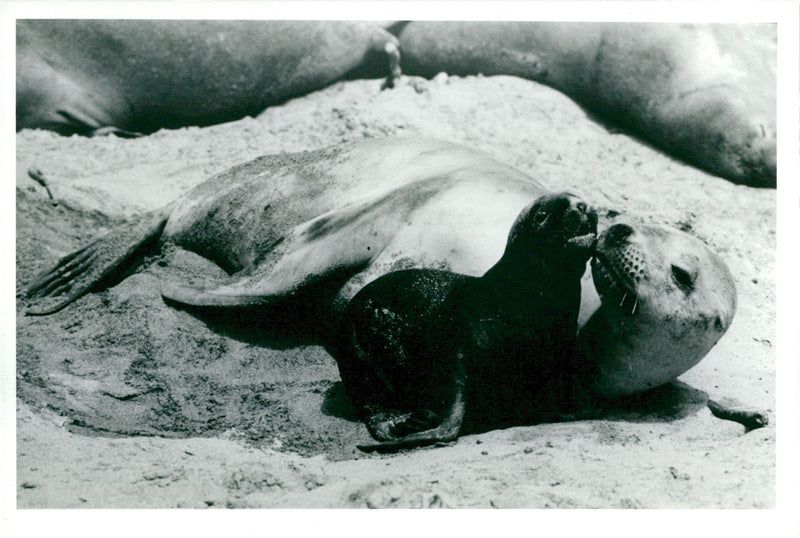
78 273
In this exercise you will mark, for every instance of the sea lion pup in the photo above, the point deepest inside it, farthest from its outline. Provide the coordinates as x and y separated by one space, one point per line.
420 348
283 225
705 93
137 76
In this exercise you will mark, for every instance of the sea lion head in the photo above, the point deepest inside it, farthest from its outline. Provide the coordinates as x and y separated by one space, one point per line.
550 222
547 249
666 301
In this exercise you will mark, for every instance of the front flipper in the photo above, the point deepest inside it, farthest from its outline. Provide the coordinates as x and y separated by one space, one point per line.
446 432
237 291
323 250
288 278
751 419
77 273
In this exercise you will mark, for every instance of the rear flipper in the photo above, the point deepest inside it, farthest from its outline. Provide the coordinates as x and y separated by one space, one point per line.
421 422
77 273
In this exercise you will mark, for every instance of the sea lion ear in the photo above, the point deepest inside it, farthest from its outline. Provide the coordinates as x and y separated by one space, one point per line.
229 293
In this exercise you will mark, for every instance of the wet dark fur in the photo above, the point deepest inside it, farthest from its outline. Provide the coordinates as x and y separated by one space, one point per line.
510 334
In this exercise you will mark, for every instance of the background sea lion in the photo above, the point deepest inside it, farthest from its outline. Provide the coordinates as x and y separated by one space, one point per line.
123 76
704 93
325 223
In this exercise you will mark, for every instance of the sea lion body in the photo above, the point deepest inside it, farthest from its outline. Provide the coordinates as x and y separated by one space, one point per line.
705 93
378 205
81 76
348 215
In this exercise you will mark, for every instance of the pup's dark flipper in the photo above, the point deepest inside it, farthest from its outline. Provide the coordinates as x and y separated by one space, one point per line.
446 432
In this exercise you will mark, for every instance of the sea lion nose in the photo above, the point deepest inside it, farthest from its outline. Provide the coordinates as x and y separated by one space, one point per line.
617 233
577 205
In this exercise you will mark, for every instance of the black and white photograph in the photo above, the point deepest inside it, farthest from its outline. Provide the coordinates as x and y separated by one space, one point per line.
467 262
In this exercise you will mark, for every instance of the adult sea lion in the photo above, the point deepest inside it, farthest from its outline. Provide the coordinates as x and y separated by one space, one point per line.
138 76
704 93
284 225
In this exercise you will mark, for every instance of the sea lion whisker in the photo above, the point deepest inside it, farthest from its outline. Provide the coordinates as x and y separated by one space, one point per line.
614 278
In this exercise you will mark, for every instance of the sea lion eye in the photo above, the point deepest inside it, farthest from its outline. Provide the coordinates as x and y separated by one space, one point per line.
683 279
